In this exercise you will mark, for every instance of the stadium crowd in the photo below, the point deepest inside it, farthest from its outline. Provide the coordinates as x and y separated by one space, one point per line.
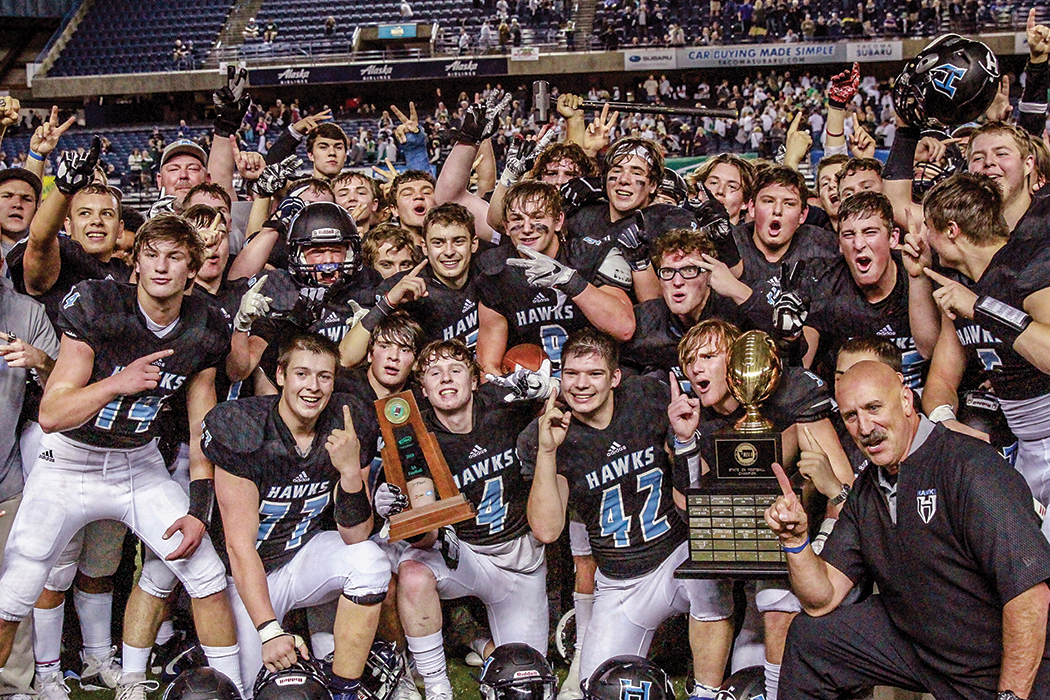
231 377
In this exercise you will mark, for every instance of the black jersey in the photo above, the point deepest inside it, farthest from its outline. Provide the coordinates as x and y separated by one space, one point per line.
800 397
540 315
322 310
1017 270
444 313
106 315
809 243
77 266
841 312
965 541
1034 224
620 480
486 469
249 439
654 347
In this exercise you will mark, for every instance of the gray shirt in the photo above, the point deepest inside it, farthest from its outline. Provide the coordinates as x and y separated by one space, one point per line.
27 320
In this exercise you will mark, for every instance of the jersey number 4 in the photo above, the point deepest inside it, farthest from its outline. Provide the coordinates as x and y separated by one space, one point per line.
492 510
616 523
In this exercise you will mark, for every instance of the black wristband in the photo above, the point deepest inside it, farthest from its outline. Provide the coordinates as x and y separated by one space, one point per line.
1002 320
202 499
374 316
351 508
900 163
575 286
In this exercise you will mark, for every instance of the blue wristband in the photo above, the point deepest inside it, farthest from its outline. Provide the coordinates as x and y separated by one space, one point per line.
796 550
35 156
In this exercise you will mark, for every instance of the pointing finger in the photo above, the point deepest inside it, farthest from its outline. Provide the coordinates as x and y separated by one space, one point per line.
148 359
814 444
937 277
348 422
675 389
782 479
257 287
795 122
418 268
551 400
1031 20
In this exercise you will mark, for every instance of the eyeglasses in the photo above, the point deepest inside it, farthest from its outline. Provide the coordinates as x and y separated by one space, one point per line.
688 272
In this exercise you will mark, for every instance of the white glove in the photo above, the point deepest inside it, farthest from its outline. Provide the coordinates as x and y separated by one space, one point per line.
389 500
358 313
164 205
543 271
527 385
253 306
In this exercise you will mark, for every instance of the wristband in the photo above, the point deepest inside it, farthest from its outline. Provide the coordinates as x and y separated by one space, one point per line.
373 318
842 495
1000 318
384 305
202 499
828 133
351 508
900 164
796 550
35 156
575 286
270 630
295 134
686 446
942 413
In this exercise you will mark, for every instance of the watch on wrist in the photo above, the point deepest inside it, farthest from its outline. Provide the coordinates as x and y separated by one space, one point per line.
842 495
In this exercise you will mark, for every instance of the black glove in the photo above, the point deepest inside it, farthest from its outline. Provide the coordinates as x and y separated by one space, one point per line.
287 210
580 191
77 170
389 500
275 176
482 119
791 309
711 215
231 102
632 244
448 545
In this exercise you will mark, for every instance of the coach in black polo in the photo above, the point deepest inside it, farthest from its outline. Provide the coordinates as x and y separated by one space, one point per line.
947 530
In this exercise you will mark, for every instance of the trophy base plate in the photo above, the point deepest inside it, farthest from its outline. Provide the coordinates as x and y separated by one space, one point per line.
759 570
416 521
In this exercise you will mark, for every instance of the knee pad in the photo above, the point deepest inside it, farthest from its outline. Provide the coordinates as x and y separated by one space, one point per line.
156 579
777 600
368 576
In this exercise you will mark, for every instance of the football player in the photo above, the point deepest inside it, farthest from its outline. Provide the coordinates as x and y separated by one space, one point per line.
125 350
412 196
607 460
284 464
548 287
361 196
389 249
326 144
500 561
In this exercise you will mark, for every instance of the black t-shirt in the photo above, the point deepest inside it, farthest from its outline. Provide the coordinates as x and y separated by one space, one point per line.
539 315
77 266
1018 269
106 315
800 397
485 467
966 542
841 312
620 480
444 313
249 439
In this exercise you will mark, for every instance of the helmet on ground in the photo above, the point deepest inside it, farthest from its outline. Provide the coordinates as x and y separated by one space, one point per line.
628 678
202 683
952 81
383 671
304 680
516 671
746 684
318 224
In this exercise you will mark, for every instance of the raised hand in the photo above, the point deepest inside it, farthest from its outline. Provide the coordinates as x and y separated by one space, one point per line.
543 271
521 155
141 375
786 517
411 287
952 298
915 251
409 123
791 309
842 87
307 124
569 105
165 204
77 170
45 139
598 134
553 425
344 447
683 412
9 107
813 463
254 305
710 214
250 164
1000 108
1038 39
482 119
389 500
274 177
797 143
861 143
231 102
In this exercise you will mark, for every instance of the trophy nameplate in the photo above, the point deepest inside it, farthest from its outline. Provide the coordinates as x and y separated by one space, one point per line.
409 452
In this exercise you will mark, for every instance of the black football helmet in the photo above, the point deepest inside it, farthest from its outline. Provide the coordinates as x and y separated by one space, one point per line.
952 81
674 186
384 669
202 683
322 223
303 681
516 671
745 684
927 174
628 678
980 410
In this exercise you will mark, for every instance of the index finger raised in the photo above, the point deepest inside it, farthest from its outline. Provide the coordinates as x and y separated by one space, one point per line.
548 406
814 444
782 479
676 390
257 287
397 112
418 268
1031 20
795 122
348 421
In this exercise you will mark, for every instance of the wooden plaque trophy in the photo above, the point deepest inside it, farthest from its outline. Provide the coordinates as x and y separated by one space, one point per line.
411 455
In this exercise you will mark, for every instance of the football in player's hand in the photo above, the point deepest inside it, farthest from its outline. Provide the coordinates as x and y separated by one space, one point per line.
527 355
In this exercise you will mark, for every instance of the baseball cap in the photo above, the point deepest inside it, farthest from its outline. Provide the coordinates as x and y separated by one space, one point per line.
184 147
23 175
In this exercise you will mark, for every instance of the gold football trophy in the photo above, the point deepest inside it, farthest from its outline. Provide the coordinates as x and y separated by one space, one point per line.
752 374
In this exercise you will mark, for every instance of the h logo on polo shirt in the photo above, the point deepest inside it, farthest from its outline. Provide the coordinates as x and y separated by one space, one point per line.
927 504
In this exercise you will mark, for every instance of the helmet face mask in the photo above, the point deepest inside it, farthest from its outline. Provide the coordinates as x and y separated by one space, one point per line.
517 672
383 671
323 225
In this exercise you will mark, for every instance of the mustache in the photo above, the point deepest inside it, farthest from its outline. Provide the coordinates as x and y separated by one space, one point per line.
873 438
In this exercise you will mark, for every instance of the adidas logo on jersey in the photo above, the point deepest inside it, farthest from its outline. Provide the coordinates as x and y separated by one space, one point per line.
468 304
303 477
47 456
540 298
886 330
332 318
477 452
614 449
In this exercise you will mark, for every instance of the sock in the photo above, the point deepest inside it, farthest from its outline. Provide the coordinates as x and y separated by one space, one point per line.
166 632
343 688
225 661
478 646
47 638
772 680
134 660
583 603
95 611
429 653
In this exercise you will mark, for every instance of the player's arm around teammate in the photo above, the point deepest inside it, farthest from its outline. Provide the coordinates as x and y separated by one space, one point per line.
549 495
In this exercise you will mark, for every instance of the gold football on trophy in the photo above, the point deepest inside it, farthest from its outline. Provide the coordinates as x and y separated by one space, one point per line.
752 373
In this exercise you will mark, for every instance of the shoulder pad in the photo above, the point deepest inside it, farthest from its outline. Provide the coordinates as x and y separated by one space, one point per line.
238 426
616 270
